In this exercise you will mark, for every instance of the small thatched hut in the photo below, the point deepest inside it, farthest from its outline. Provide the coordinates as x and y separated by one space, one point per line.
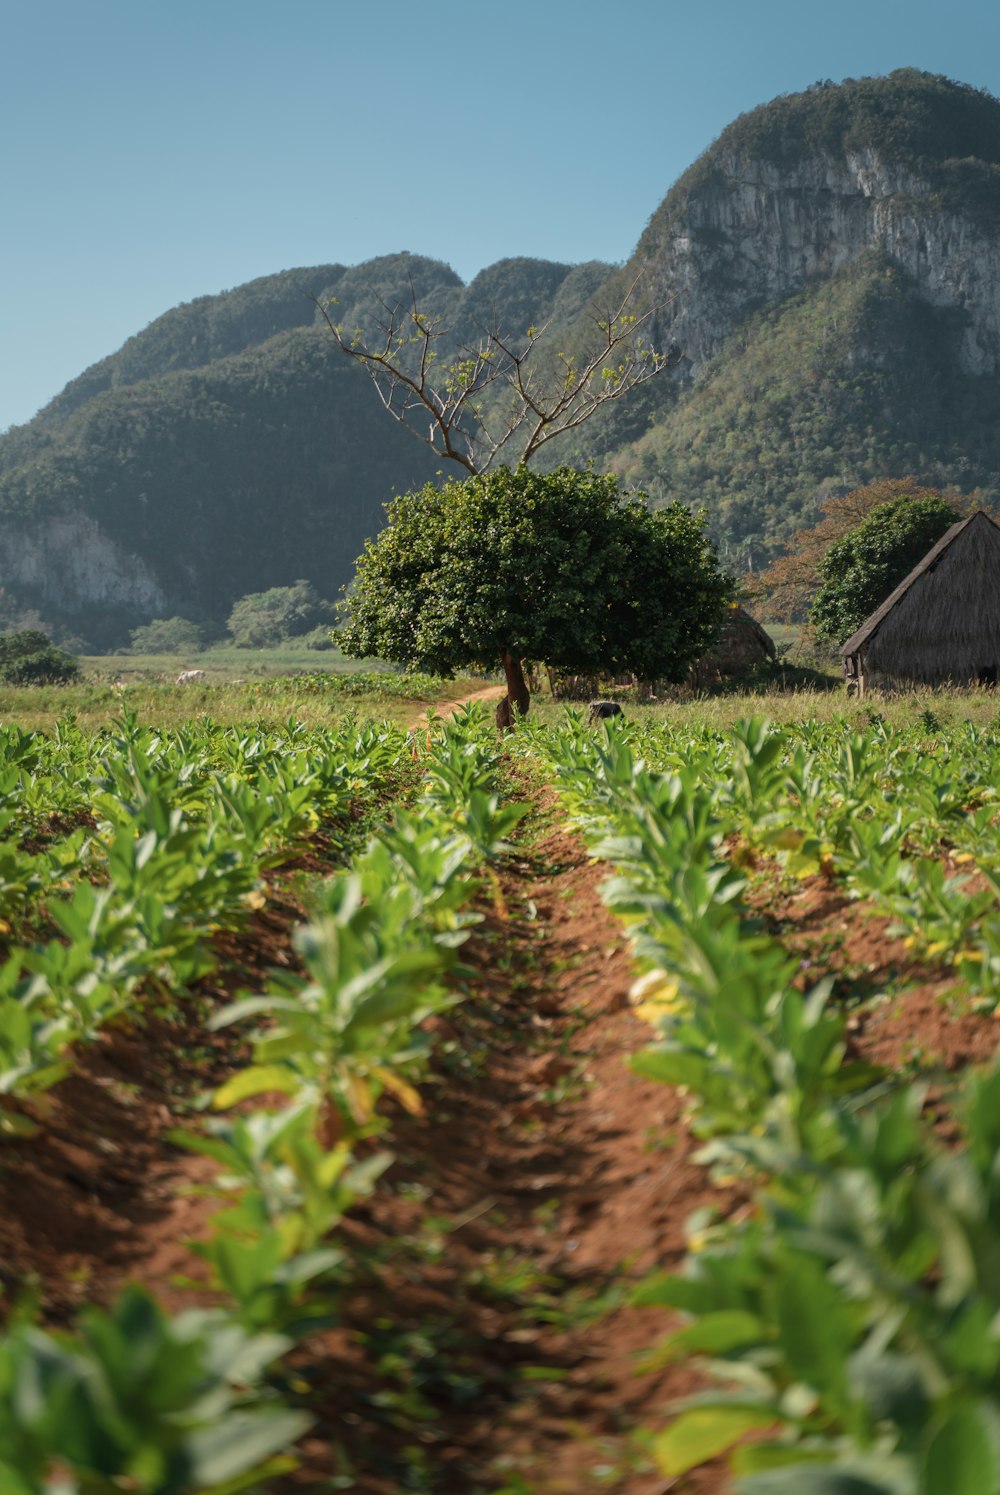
742 646
942 623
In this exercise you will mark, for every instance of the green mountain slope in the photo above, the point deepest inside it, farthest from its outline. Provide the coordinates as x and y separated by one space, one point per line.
855 378
228 457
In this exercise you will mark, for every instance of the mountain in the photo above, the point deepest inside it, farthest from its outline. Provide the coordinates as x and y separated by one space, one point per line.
231 446
827 275
830 268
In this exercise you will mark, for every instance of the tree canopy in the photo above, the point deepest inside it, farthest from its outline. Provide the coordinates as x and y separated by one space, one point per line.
786 589
558 566
262 619
29 657
168 636
862 568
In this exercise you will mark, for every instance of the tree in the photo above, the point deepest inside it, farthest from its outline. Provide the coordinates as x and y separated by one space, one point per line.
862 568
168 636
31 658
787 587
504 397
512 565
497 401
262 619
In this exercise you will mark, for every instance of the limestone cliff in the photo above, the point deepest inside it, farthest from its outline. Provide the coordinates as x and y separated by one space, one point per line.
67 563
747 228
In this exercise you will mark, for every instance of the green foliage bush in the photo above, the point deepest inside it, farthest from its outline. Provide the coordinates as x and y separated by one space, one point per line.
862 568
555 566
262 619
30 658
168 636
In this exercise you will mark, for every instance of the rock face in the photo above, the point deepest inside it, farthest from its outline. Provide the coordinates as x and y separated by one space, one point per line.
908 166
758 232
67 562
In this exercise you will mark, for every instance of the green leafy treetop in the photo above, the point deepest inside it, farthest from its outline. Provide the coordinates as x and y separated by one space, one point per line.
31 658
168 636
262 619
862 568
512 564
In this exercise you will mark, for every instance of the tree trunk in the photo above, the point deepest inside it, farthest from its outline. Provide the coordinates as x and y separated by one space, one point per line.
518 698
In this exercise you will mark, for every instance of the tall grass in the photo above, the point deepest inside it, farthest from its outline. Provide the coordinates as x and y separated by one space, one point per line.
270 701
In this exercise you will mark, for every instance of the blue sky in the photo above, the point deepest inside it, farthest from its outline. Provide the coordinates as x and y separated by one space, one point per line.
152 151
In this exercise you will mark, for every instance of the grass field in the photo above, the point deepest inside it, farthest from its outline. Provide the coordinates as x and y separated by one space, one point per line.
315 700
224 663
276 686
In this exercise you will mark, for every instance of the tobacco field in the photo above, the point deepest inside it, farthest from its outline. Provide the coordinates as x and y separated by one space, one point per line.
588 1109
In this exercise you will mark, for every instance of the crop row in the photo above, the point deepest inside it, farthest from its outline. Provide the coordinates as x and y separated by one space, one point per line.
851 1316
178 831
198 1402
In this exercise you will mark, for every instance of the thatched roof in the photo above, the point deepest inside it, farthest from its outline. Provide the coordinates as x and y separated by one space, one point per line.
742 645
938 626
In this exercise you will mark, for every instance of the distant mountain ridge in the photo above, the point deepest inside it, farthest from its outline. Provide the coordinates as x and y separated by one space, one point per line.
214 455
829 271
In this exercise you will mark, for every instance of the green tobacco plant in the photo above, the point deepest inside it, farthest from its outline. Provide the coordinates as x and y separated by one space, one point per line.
285 1193
187 821
183 1406
341 1038
852 1315
141 1402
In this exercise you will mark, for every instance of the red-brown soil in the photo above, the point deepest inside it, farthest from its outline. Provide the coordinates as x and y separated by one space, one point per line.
906 1014
99 1196
543 1182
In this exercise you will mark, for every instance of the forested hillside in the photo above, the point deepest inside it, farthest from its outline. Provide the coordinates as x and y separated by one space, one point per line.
231 447
854 378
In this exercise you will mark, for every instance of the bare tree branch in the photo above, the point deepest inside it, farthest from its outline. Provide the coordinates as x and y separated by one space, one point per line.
466 424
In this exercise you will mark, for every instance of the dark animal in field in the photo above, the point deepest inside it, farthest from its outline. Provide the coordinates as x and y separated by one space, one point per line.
505 715
600 711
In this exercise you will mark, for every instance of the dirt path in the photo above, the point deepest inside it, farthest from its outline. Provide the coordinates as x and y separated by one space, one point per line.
543 1182
446 708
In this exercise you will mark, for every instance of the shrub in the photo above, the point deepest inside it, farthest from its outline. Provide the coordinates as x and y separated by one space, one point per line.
168 636
262 619
30 658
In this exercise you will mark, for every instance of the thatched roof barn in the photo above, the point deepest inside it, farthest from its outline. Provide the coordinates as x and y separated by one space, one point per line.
741 647
942 623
